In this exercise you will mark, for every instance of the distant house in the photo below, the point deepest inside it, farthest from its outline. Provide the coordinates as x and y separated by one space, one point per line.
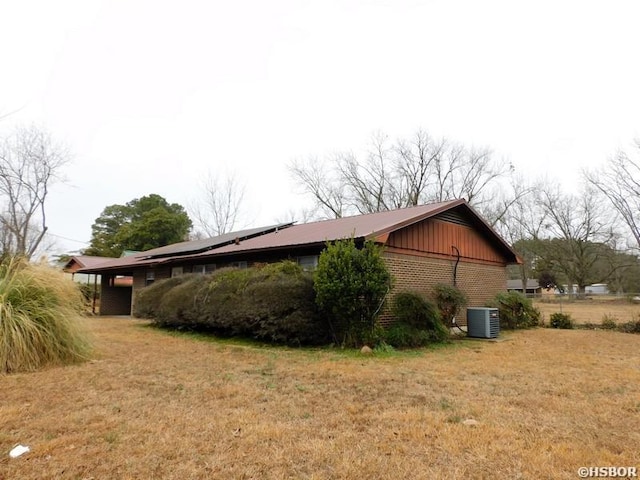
532 288
445 242
597 289
594 289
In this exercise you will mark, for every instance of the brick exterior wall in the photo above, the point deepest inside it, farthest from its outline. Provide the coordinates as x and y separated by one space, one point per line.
478 281
114 300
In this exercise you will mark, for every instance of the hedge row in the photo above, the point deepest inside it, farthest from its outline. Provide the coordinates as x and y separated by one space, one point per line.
275 303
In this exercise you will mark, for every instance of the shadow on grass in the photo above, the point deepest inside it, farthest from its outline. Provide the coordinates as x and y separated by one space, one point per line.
336 352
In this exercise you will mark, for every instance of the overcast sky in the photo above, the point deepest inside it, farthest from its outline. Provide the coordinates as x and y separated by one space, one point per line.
151 95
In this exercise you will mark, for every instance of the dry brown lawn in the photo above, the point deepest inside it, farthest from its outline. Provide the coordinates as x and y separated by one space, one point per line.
160 406
591 310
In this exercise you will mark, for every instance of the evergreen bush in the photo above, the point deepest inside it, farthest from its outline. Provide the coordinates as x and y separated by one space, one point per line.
450 301
560 320
515 310
402 335
630 327
351 284
284 311
148 299
412 310
179 306
609 322
274 302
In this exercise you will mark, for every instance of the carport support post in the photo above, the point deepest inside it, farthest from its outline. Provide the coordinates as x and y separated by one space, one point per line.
95 293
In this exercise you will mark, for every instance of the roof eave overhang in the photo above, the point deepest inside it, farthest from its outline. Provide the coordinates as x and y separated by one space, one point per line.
216 246
299 246
117 269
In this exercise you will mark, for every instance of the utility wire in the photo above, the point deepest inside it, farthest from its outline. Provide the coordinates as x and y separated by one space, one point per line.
69 239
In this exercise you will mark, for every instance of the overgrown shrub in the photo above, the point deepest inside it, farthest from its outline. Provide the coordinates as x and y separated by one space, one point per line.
416 316
148 299
221 302
515 310
180 305
450 301
609 322
402 335
630 327
351 284
414 310
560 320
274 302
285 312
39 318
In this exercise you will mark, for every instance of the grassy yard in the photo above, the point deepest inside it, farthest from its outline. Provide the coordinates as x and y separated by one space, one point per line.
592 309
160 406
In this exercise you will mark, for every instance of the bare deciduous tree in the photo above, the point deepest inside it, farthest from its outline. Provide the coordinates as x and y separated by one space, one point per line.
416 161
369 183
30 162
518 217
619 181
219 209
512 210
579 231
299 216
409 172
327 192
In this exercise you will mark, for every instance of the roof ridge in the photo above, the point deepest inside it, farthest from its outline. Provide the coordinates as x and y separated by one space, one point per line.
383 211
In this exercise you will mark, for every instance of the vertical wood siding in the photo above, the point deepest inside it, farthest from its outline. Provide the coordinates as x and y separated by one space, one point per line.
437 237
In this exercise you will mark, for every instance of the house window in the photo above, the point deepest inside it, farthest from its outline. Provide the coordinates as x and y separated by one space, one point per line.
176 271
200 269
242 264
308 262
150 278
204 269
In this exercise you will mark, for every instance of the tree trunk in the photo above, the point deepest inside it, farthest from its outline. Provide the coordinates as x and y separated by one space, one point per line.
523 278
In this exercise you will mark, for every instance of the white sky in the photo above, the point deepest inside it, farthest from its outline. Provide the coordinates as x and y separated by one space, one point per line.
150 95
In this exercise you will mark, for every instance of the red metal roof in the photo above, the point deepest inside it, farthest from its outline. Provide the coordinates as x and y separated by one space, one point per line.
361 226
198 246
85 261
123 263
368 226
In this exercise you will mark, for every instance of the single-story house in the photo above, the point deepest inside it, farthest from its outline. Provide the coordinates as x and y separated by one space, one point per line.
532 288
446 242
593 289
597 289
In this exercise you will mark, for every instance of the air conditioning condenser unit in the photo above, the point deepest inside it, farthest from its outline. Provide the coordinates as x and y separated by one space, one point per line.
483 322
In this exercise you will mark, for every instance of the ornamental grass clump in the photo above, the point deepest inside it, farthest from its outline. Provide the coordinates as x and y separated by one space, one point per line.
39 318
